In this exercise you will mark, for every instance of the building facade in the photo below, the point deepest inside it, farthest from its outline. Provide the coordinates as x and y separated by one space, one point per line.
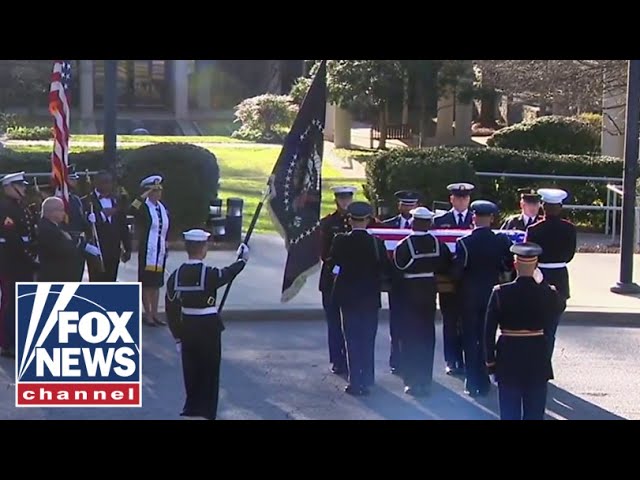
179 90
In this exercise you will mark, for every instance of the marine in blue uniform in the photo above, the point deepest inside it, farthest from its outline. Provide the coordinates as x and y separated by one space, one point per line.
523 310
530 211
195 324
407 201
360 262
557 238
418 258
479 260
334 224
18 252
459 217
77 226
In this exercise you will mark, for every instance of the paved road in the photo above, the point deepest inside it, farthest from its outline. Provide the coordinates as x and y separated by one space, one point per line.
278 370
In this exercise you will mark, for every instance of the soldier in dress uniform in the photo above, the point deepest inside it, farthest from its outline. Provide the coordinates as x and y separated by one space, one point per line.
458 217
407 201
418 258
195 324
360 262
18 254
479 260
334 224
77 226
523 309
530 211
558 239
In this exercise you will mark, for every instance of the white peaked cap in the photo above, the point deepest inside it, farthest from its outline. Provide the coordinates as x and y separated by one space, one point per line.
552 195
343 189
151 180
13 178
422 213
196 235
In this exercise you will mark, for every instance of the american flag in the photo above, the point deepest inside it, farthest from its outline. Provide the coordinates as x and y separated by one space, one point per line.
392 236
59 107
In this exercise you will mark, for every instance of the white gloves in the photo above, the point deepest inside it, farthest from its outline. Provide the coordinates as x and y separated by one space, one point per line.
91 217
92 250
537 276
243 252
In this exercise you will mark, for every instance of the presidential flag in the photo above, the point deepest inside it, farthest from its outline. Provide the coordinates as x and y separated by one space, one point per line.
295 188
59 102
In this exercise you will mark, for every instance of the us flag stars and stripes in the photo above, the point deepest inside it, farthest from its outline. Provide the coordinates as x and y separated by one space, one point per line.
59 107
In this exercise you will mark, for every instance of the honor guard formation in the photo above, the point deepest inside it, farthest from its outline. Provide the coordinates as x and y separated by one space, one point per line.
50 241
485 286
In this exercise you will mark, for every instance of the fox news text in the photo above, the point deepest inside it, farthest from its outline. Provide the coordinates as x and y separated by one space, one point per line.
78 345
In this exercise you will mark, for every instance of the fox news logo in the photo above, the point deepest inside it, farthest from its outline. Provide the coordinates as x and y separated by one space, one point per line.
78 345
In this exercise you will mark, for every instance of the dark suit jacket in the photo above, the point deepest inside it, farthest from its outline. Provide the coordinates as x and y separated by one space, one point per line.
114 236
59 254
448 220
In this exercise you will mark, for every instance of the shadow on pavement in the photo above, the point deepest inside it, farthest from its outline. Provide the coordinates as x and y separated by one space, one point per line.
442 404
571 407
240 391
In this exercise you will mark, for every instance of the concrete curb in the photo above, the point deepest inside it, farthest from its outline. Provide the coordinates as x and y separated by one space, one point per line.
578 318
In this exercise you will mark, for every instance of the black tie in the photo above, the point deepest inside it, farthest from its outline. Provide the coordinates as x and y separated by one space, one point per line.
460 219
406 224
529 221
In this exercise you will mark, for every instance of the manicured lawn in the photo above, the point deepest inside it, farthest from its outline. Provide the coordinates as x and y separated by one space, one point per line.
244 174
159 139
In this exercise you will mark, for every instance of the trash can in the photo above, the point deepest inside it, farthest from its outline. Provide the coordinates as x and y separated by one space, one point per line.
233 224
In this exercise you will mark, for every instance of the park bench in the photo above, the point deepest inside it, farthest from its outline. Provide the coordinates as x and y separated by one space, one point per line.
394 132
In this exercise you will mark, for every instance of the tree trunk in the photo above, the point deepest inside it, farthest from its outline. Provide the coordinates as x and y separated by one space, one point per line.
382 145
405 102
488 110
423 114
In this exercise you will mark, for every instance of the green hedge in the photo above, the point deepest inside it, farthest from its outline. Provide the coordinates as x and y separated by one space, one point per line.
191 179
552 134
40 162
191 175
430 170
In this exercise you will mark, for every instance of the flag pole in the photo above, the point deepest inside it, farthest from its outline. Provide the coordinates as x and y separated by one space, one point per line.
268 191
247 237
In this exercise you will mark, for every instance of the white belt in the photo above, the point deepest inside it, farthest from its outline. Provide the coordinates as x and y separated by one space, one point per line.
3 240
552 265
199 311
419 275
25 239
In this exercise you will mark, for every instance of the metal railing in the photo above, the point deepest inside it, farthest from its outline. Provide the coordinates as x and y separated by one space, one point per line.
610 210
615 193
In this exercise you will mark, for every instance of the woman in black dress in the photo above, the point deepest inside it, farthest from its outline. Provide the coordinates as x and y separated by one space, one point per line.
152 229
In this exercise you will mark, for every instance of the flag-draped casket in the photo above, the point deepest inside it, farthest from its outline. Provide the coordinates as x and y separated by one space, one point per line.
393 236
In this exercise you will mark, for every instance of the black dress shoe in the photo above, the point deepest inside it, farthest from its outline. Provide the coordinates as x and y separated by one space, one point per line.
395 371
356 391
338 370
417 391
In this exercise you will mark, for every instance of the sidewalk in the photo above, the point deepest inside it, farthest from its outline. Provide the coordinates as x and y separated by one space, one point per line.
255 294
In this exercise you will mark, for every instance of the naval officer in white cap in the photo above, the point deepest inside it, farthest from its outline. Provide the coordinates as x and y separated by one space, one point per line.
417 259
18 254
192 293
558 239
458 217
152 232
